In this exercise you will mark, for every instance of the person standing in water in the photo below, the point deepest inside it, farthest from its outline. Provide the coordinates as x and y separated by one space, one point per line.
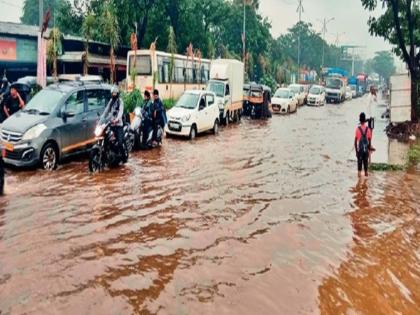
362 145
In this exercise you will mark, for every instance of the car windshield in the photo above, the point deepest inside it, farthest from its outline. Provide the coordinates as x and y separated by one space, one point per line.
315 90
44 102
188 101
217 88
282 94
295 89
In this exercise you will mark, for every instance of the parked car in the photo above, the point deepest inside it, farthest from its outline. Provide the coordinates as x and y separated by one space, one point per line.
299 91
195 112
316 96
284 101
58 121
349 93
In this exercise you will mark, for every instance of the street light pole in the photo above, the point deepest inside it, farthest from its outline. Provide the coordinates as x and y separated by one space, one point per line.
299 10
324 31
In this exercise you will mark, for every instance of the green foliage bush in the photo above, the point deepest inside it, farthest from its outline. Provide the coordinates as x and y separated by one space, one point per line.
131 100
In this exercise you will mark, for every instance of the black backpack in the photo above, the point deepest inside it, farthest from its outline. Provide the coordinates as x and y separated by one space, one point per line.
364 142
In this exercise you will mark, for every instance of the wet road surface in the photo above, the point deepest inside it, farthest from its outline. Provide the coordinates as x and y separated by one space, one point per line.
266 218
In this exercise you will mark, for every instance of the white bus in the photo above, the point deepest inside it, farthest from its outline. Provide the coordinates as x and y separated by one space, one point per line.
155 65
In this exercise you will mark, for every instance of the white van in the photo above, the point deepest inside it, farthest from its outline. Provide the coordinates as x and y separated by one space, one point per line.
227 81
195 112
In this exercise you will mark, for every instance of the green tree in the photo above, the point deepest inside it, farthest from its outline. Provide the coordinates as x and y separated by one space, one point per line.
400 25
172 50
87 30
383 64
54 49
110 31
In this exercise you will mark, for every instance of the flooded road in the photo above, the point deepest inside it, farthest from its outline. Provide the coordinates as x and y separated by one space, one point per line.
266 218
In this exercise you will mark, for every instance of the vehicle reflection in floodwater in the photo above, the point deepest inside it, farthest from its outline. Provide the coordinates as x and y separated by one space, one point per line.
382 271
261 219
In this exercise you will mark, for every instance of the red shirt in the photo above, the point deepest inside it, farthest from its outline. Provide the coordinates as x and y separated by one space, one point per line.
359 134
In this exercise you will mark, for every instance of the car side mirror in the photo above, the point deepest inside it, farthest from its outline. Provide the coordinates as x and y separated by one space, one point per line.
67 114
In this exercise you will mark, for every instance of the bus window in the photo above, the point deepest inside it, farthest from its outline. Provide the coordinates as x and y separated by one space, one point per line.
143 64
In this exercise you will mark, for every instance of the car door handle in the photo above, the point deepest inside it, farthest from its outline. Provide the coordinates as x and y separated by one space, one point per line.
84 119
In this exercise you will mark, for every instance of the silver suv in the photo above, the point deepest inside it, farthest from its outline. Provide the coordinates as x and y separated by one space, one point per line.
57 122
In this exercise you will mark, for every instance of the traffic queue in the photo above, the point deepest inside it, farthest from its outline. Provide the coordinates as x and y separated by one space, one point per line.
84 114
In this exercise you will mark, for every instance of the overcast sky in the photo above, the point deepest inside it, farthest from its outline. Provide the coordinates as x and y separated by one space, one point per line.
350 18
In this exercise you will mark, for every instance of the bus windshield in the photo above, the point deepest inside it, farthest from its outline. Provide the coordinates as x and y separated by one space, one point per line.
143 64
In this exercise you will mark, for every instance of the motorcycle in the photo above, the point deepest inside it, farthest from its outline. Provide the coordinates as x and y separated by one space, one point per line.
137 128
105 152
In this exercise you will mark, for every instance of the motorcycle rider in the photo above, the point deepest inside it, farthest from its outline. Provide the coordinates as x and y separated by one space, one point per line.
147 113
159 115
114 113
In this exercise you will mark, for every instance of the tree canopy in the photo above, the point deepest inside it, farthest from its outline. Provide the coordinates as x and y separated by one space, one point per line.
213 26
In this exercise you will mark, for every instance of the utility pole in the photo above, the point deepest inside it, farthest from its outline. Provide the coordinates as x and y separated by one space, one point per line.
299 10
324 31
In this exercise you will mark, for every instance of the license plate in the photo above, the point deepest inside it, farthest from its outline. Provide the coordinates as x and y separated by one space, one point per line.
174 126
8 146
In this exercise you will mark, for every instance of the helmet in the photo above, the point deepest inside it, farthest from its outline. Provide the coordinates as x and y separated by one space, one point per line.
115 89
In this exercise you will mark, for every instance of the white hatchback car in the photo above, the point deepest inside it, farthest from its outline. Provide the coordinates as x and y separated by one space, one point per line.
316 96
299 91
284 101
195 112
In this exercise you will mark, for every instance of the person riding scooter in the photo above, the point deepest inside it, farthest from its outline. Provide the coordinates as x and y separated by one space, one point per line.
114 113
147 113
159 115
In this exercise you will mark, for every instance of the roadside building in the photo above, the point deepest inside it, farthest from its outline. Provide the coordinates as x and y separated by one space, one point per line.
18 54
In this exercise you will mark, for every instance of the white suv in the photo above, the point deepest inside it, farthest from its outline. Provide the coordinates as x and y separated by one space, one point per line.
195 112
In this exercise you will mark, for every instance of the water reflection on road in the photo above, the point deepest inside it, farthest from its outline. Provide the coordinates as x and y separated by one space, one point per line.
266 218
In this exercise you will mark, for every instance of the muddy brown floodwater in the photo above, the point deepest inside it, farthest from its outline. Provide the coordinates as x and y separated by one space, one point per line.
266 218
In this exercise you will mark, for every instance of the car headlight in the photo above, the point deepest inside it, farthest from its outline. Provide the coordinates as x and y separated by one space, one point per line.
220 104
186 118
34 132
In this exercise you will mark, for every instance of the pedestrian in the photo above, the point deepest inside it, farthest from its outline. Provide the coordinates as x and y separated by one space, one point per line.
362 145
372 100
13 103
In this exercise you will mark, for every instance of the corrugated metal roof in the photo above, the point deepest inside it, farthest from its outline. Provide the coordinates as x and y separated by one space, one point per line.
18 29
10 28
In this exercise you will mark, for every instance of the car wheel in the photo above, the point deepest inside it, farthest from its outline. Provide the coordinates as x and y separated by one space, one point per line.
193 132
216 127
49 157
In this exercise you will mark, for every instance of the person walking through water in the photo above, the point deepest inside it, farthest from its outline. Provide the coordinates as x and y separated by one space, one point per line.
372 101
362 145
